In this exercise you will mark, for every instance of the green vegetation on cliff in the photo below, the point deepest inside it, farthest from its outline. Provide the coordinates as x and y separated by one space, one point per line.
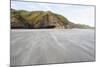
22 19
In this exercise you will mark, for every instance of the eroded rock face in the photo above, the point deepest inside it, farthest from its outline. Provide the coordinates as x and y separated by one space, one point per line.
15 22
19 22
37 20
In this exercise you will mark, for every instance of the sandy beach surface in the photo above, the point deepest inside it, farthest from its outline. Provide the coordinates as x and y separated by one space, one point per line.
32 47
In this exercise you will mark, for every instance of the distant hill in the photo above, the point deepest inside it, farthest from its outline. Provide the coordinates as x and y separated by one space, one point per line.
80 26
22 19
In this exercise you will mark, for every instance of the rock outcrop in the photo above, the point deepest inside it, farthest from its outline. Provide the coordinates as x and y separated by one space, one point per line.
37 19
22 19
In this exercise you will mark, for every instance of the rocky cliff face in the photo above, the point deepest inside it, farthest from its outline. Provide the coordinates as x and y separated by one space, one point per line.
37 19
21 19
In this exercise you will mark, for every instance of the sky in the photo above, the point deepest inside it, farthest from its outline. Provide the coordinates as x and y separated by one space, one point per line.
75 13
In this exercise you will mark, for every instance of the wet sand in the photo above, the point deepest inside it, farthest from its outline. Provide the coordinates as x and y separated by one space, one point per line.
32 47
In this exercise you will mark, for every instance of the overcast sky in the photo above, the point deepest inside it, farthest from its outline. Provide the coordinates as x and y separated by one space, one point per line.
75 13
